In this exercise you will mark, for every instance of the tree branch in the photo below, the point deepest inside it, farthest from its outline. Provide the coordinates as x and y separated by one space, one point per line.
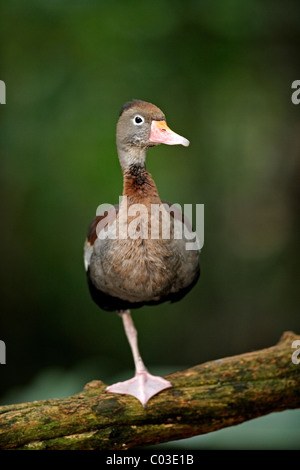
204 398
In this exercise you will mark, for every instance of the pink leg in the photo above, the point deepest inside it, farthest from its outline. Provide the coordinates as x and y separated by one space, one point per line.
143 385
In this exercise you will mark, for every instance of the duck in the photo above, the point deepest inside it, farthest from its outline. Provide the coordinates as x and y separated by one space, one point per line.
148 264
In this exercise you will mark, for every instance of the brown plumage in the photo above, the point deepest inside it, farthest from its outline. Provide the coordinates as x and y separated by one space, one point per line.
129 272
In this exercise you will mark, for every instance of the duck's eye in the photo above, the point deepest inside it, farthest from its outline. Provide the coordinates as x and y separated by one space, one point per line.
138 120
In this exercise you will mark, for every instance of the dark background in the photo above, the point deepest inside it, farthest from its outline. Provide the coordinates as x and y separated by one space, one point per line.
222 73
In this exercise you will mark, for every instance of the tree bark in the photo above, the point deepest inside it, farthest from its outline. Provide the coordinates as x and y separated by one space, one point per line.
204 398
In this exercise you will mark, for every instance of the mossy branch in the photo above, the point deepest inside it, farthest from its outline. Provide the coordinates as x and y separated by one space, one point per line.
204 398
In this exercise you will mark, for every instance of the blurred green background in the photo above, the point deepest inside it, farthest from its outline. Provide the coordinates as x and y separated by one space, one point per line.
222 73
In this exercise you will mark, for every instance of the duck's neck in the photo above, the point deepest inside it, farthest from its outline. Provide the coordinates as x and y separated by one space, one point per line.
138 184
131 155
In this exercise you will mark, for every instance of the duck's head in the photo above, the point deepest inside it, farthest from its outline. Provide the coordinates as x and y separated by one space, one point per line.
142 125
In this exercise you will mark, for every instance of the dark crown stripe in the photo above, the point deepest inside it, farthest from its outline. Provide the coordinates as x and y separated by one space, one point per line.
128 105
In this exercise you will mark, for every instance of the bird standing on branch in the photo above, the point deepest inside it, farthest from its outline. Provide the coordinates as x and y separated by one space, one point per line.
126 272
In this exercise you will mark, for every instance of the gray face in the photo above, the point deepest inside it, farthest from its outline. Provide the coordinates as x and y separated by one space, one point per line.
135 129
134 125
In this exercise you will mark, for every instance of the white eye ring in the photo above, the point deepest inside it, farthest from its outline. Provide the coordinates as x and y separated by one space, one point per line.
138 120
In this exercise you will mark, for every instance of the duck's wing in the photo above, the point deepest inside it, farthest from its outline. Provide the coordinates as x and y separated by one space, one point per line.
99 223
